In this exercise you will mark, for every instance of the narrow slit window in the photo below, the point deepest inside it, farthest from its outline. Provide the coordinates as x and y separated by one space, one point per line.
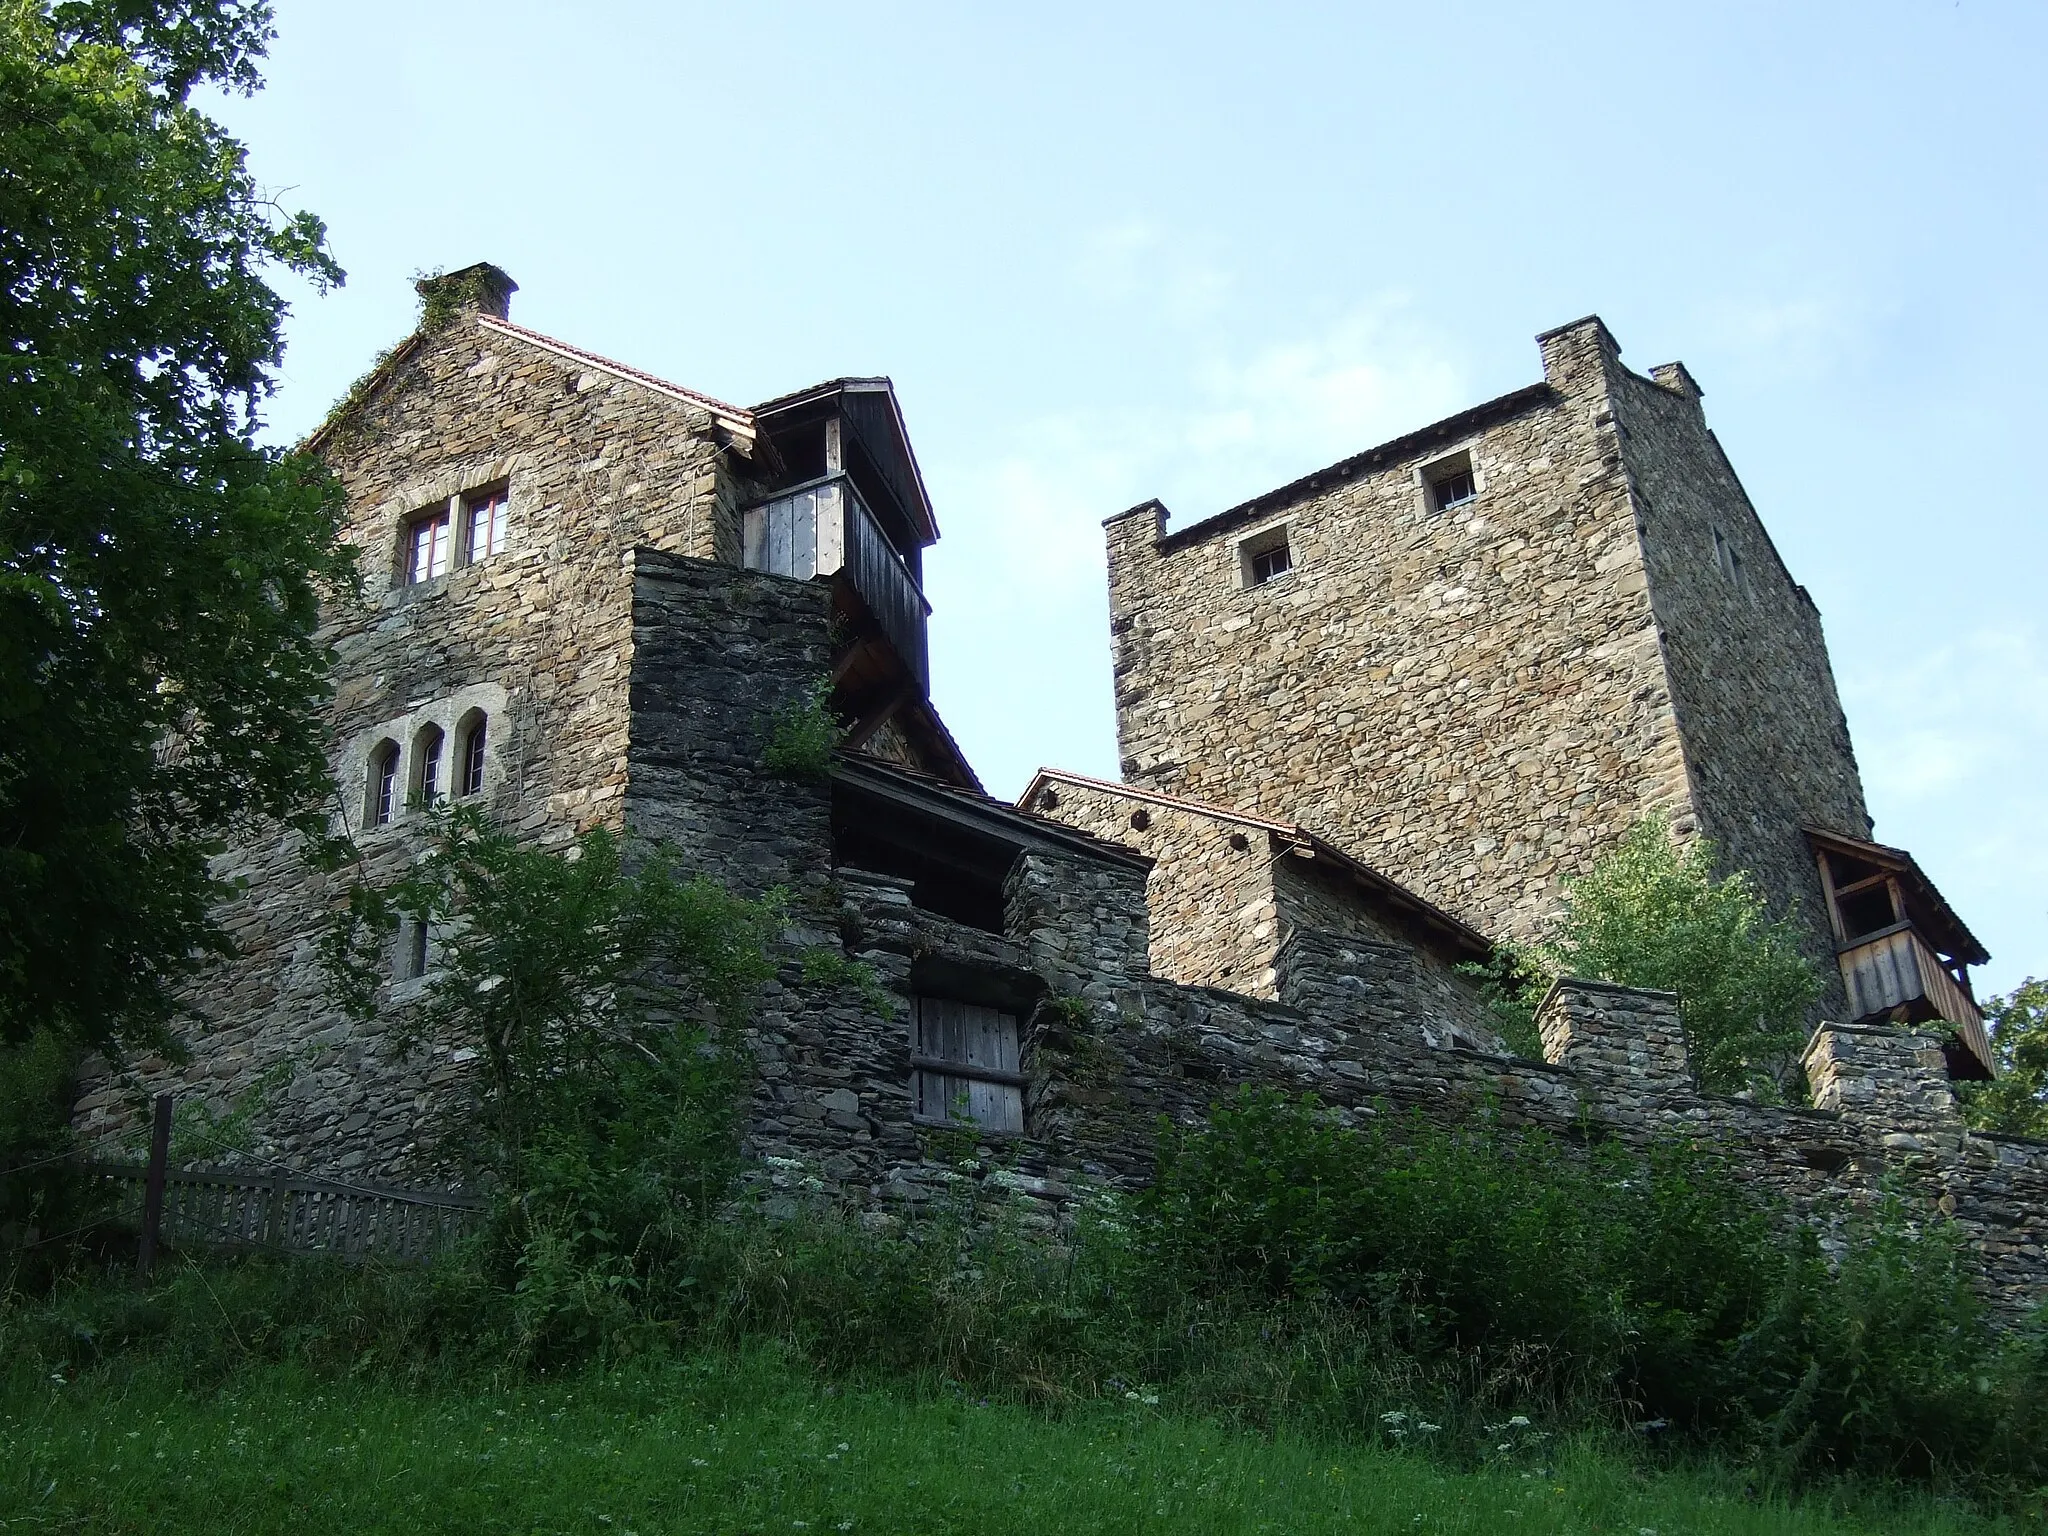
416 955
965 1065
383 806
487 524
471 779
431 742
427 547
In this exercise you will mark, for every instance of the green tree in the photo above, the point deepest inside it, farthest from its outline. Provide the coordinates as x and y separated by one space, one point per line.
610 1117
160 572
1653 914
2016 1102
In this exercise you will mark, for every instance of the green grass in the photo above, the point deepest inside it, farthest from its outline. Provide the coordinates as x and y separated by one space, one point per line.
756 1444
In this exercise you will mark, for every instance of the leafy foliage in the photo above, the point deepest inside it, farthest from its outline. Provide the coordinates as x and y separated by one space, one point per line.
1653 915
2016 1102
1595 1270
803 736
159 573
1654 1284
610 1118
42 1193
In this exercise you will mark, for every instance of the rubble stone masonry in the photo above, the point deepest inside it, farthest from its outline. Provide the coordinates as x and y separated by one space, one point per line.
1479 699
537 636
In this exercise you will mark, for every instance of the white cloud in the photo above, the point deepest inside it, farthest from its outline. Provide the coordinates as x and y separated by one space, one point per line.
1136 261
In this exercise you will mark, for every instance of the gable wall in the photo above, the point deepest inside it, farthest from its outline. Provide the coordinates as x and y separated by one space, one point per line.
1214 922
538 636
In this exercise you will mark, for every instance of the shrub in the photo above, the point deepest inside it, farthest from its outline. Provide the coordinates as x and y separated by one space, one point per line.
43 1196
1651 914
1581 1270
802 737
610 1124
2016 1102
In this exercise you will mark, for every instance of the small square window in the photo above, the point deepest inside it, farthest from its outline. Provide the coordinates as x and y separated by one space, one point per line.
965 1065
1450 482
1264 556
1454 490
1268 563
428 547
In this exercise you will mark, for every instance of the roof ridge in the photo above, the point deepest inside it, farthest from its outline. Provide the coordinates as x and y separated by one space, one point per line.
737 413
1157 797
1311 839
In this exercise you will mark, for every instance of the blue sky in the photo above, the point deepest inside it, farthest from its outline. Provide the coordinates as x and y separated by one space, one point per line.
1117 251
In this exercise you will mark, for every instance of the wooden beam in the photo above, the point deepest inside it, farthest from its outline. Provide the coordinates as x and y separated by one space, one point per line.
858 634
865 727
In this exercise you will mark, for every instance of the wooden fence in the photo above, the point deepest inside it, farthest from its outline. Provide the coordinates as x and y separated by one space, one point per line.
279 1211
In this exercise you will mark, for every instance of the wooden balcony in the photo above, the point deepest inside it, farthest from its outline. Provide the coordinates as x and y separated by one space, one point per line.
1894 968
824 529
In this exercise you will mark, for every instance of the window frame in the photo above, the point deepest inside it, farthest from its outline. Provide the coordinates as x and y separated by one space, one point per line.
449 525
467 766
1445 470
428 749
942 1043
381 804
439 528
496 502
1274 538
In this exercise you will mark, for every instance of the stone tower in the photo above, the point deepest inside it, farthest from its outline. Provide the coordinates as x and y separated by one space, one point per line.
1477 654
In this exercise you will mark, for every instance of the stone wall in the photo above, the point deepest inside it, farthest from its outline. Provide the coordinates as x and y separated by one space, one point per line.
1471 701
1478 701
1228 894
539 636
1361 1026
1211 891
1767 744
1363 1019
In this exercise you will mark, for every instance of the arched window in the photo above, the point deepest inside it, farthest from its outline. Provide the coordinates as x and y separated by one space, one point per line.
469 761
427 777
380 805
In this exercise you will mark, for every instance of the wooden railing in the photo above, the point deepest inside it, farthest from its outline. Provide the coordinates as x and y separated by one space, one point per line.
1894 967
825 528
278 1210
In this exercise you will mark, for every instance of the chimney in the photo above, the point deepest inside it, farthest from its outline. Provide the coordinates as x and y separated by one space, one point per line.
1579 358
479 289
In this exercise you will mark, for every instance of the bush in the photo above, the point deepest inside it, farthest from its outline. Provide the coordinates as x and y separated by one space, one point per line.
1597 1281
1599 1271
609 1130
43 1196
2016 1102
1653 915
803 736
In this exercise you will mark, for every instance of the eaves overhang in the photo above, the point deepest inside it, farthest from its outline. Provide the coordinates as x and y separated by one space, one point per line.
976 812
1296 840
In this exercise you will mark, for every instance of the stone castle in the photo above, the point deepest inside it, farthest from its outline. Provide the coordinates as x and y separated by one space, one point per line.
1368 721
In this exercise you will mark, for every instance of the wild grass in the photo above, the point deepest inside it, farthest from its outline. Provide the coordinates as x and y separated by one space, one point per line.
753 1441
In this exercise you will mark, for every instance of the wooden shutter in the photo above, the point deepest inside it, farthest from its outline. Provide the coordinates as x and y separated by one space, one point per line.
967 1068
